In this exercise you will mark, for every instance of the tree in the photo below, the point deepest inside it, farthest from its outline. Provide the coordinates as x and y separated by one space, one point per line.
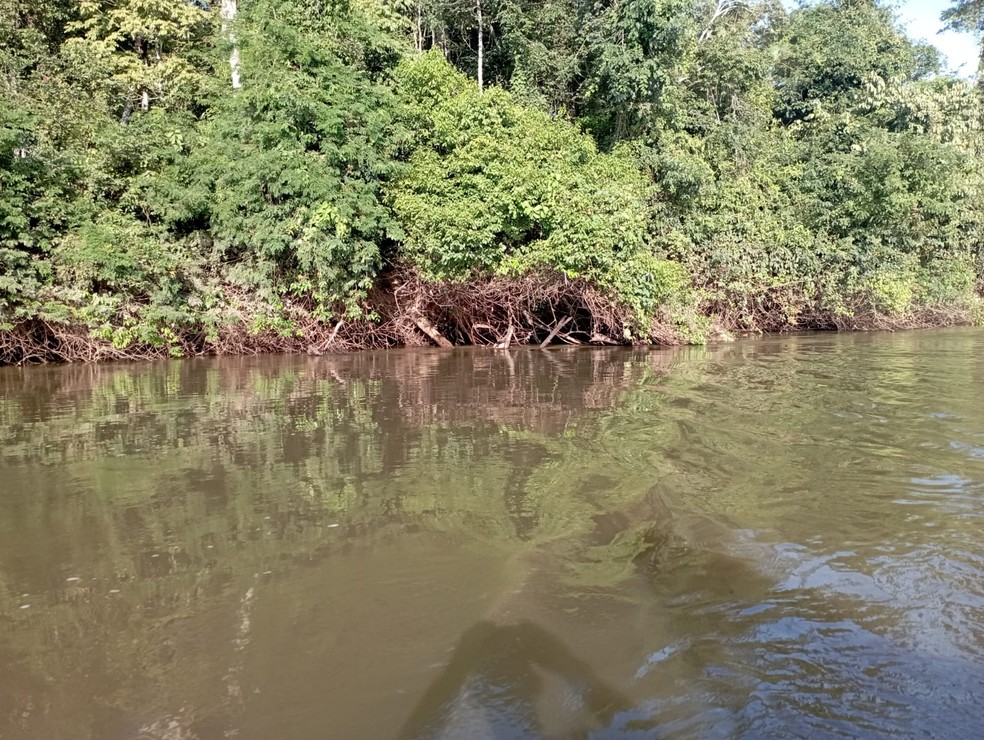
297 156
827 52
638 50
965 15
144 44
494 188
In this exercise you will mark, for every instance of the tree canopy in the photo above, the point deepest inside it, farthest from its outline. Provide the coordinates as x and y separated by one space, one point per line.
184 176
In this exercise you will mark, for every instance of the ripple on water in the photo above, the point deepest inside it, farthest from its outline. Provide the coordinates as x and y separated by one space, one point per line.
765 539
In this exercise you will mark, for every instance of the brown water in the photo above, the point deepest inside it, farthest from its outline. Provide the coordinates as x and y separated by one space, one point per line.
781 537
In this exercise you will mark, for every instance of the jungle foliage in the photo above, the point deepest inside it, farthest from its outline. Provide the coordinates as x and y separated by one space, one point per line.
176 178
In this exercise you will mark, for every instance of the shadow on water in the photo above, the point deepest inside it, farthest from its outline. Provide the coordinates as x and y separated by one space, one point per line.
495 682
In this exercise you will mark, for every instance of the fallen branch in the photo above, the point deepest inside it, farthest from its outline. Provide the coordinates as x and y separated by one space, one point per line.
334 334
430 330
553 332
316 350
504 344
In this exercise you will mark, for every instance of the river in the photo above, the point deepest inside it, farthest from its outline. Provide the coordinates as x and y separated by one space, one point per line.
775 537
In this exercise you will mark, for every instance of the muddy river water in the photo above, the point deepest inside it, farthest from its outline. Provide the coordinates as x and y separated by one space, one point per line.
775 537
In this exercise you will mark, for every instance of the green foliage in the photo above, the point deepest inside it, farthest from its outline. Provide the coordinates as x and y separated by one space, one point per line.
965 15
17 276
546 58
114 254
830 49
835 183
795 167
144 50
638 49
497 188
297 155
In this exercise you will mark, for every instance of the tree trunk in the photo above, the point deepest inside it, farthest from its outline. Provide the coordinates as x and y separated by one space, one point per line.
481 46
980 70
228 13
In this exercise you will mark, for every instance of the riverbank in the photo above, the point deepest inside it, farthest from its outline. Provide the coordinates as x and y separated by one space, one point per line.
496 313
341 182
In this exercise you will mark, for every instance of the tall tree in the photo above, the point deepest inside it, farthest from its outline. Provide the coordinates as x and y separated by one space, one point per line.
965 15
638 49
297 155
968 15
829 51
144 44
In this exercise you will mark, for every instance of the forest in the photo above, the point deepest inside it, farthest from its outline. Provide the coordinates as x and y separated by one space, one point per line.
184 177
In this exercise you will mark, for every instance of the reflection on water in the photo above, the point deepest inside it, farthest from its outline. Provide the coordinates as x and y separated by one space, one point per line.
773 537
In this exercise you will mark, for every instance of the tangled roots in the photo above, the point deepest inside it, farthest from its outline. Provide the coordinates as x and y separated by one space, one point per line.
408 311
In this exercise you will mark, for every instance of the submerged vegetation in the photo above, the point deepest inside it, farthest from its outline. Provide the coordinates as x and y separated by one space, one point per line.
188 176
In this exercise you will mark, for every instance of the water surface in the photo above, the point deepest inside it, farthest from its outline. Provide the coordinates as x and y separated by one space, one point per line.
774 537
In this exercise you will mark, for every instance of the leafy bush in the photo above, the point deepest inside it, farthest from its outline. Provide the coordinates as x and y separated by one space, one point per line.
494 188
296 157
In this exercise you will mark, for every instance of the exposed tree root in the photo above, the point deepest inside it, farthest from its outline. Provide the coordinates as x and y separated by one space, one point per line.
778 310
526 310
410 311
865 318
497 312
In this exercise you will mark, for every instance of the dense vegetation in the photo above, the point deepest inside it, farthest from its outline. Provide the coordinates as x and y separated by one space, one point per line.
186 176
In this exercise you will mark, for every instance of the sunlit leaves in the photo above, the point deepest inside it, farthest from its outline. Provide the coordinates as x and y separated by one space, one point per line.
496 188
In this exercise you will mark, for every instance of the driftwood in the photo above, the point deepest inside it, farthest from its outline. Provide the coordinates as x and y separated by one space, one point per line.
597 338
430 330
504 344
553 332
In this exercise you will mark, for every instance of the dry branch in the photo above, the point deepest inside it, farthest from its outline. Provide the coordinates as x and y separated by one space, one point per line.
430 330
553 332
